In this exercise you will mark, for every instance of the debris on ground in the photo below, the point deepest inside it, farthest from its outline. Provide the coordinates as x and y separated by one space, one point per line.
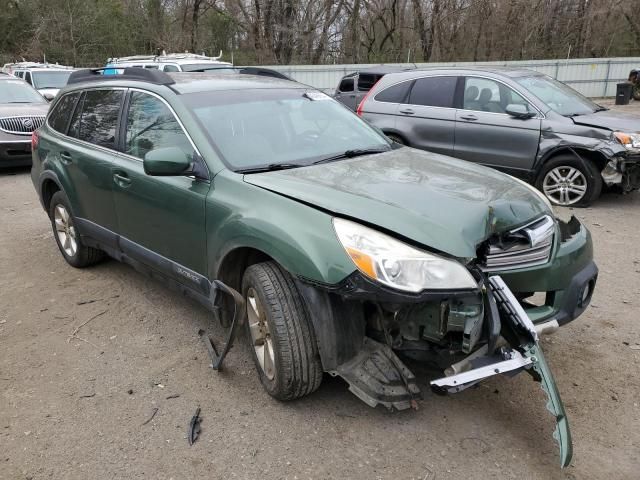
153 414
194 427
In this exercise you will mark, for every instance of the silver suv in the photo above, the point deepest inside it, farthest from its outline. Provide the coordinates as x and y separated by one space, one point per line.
519 121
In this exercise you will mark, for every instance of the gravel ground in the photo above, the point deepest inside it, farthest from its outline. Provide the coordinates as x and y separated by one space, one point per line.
79 406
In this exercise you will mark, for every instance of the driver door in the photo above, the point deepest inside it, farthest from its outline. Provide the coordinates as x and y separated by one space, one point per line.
485 133
161 219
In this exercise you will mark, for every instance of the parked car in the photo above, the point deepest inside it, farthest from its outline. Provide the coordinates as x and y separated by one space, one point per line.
519 121
354 86
47 78
22 110
347 250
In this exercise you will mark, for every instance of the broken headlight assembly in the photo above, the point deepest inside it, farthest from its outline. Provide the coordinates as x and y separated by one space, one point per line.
630 141
398 265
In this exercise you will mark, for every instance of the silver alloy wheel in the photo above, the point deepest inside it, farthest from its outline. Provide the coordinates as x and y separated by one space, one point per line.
565 185
65 230
260 334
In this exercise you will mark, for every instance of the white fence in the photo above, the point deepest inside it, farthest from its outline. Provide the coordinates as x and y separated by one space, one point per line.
593 77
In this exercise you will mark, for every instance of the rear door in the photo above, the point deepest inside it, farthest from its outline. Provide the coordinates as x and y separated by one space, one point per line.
427 120
159 218
86 158
486 134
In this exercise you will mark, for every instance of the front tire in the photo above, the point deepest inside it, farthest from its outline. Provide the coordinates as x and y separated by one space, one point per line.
569 181
67 237
279 329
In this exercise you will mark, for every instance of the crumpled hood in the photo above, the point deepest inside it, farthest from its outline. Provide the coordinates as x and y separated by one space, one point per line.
610 120
446 204
23 109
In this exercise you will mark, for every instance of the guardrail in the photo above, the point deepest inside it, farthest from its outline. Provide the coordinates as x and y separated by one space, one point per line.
593 77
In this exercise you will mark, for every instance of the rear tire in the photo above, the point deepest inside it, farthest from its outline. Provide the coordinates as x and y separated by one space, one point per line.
569 181
67 237
280 332
396 138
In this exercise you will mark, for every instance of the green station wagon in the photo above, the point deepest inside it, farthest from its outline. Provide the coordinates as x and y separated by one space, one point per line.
338 250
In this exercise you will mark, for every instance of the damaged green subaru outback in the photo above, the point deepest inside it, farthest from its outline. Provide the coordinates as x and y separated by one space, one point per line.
335 249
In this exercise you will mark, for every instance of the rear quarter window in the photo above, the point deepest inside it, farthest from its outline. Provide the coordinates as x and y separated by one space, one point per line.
366 81
61 113
395 93
433 91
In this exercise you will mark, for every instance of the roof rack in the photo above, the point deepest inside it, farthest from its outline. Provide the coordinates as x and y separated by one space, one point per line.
164 56
128 73
26 64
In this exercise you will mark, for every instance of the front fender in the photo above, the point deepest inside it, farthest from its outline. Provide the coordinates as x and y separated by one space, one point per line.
299 237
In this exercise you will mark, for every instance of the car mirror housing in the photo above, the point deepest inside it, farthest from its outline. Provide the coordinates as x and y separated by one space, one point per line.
166 162
48 96
519 110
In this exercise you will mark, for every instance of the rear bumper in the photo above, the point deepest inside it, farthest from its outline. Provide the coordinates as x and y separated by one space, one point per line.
16 153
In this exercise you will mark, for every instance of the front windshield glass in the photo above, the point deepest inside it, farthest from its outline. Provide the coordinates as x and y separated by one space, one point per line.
209 67
50 79
558 96
258 128
17 91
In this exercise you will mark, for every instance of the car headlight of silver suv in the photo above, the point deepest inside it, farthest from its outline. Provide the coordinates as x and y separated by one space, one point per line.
398 265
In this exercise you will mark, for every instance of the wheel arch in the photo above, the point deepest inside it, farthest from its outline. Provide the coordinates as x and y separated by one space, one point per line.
49 185
594 156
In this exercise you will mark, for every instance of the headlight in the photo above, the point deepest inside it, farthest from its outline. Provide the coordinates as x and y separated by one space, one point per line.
397 264
631 141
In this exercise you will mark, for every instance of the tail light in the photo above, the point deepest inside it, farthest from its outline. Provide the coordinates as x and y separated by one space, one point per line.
361 105
34 140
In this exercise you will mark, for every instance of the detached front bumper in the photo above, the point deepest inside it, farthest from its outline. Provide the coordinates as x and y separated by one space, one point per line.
567 281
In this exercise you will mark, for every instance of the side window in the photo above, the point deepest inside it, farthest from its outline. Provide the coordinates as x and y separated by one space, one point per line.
433 91
20 74
59 116
346 85
151 125
170 68
366 81
486 95
96 117
394 94
27 78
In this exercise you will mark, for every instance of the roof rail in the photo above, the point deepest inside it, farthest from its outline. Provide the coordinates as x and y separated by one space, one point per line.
128 73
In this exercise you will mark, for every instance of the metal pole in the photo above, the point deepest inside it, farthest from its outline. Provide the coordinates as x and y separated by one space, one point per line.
606 81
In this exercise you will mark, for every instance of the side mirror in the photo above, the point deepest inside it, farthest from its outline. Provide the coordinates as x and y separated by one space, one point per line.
519 110
48 96
166 162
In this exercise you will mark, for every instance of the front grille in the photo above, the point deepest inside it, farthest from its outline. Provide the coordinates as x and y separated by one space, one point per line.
524 247
21 125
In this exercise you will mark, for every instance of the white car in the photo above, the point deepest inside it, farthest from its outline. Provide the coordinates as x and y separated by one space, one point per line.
47 78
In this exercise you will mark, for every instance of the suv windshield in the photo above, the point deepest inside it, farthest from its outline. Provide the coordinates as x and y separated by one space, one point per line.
557 96
16 91
259 128
50 79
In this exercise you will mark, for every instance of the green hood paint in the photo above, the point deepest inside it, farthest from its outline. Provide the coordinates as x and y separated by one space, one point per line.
446 204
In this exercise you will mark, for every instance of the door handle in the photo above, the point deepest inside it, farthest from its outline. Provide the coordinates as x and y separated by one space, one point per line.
121 179
407 111
469 117
65 157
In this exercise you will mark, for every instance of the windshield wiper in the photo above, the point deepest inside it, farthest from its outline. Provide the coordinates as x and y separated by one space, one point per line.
352 153
272 167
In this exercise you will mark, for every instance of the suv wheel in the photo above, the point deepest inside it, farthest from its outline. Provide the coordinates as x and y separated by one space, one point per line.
67 237
279 328
569 181
396 138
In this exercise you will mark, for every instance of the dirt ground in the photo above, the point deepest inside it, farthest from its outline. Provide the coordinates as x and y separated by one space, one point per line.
79 407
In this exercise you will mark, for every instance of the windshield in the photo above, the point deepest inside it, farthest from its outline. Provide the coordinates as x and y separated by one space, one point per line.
557 96
50 79
209 67
17 91
258 128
